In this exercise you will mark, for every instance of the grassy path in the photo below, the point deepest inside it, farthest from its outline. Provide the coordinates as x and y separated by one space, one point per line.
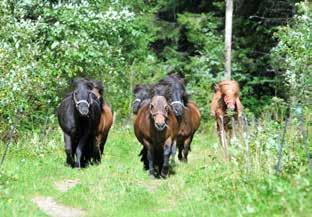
206 186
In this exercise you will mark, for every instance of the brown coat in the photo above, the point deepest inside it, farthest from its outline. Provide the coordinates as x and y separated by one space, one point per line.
156 128
105 124
189 124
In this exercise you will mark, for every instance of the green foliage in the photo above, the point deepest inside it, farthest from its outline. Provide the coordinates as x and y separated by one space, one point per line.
292 57
44 46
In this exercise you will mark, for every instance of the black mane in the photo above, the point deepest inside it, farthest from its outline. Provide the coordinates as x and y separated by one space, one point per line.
174 82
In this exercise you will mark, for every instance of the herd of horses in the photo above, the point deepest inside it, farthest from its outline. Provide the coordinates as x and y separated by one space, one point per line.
165 120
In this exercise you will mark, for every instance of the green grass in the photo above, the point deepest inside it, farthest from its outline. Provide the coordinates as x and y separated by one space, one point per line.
206 186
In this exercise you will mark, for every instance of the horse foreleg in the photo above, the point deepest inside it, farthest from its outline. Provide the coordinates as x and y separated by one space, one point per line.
223 139
69 150
232 132
165 167
187 147
173 151
97 150
150 158
79 150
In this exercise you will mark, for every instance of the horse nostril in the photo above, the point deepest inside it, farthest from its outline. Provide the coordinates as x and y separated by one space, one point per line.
83 110
160 125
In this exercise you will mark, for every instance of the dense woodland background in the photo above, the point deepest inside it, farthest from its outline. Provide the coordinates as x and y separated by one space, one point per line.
44 44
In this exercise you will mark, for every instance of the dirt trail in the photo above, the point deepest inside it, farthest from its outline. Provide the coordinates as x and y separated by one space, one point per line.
49 206
52 208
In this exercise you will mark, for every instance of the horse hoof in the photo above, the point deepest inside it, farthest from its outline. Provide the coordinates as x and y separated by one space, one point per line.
152 176
164 172
183 160
164 175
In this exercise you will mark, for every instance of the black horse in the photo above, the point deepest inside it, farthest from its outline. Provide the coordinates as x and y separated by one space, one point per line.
176 93
141 93
79 115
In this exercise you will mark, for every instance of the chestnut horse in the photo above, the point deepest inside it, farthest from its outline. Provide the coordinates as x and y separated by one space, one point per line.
226 107
106 119
190 122
156 128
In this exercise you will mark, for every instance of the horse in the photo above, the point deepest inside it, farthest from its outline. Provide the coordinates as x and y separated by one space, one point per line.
141 94
190 122
78 114
106 119
176 93
226 107
156 128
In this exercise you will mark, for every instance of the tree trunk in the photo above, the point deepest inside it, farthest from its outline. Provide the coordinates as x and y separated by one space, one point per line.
228 39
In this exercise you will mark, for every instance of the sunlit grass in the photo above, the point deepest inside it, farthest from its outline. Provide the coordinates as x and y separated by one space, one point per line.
206 186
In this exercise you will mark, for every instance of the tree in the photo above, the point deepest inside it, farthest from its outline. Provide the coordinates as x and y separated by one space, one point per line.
228 38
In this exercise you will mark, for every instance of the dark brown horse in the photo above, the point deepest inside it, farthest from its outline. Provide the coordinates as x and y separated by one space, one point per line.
106 119
156 128
190 122
226 107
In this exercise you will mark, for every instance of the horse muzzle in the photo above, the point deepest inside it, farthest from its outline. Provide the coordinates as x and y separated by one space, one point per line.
160 126
83 109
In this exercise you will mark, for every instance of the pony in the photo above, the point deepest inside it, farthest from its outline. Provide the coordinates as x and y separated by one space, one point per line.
78 114
190 122
226 107
156 128
106 119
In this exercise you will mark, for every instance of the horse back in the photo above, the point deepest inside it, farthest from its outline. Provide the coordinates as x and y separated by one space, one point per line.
190 120
106 119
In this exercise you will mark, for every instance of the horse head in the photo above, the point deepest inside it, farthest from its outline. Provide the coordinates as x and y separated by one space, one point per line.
229 93
159 109
82 96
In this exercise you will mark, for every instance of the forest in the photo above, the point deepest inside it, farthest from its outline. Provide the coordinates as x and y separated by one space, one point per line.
46 44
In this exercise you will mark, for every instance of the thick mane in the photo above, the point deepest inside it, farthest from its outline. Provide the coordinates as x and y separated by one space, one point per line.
172 79
98 85
160 90
81 81
174 82
140 87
